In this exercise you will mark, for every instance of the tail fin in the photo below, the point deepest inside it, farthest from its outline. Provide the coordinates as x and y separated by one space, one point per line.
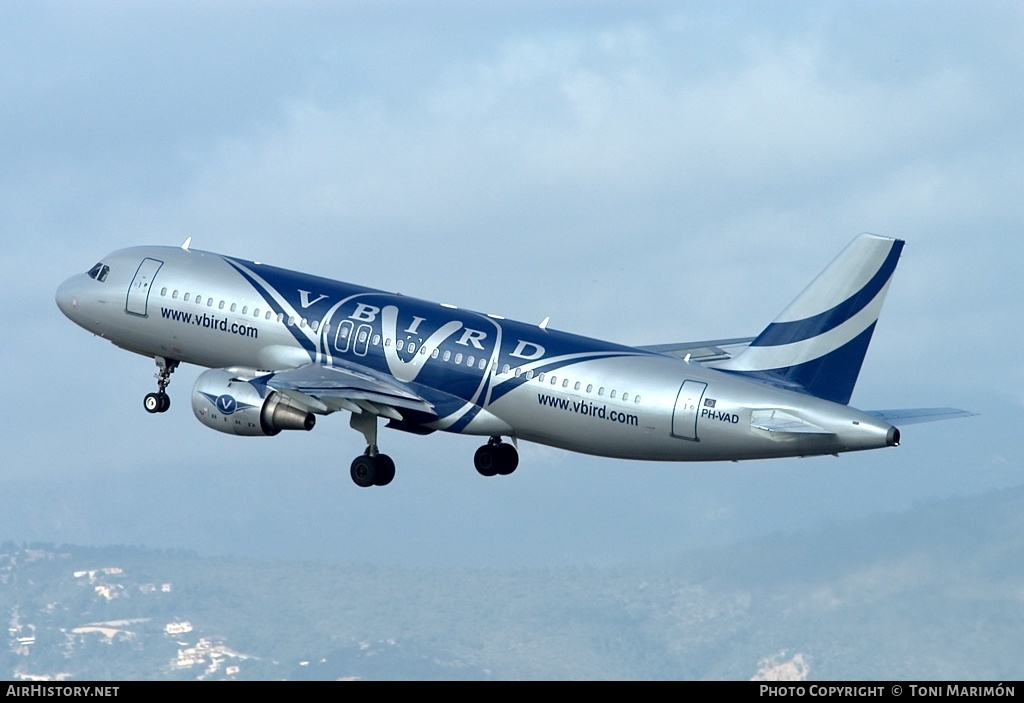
818 343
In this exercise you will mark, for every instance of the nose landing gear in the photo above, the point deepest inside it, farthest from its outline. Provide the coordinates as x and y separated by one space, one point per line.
159 402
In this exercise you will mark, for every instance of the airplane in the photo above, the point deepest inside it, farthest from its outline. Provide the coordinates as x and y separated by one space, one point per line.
284 347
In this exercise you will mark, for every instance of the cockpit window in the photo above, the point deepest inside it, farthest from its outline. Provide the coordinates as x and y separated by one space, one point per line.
99 272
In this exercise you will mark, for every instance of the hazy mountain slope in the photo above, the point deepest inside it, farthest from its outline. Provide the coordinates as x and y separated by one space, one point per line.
937 592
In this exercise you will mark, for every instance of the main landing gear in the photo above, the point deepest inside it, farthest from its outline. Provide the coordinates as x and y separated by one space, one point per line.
371 468
496 458
159 402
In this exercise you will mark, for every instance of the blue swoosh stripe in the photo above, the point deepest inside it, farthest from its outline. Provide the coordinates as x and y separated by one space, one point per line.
310 348
779 333
506 386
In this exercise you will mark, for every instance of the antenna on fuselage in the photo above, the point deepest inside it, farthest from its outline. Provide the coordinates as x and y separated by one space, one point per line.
544 323
184 245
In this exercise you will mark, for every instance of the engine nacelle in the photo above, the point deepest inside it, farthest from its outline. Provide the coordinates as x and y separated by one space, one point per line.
237 408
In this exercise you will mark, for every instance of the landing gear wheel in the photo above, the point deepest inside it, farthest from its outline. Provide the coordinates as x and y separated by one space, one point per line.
508 458
385 470
496 458
156 402
160 402
486 460
364 471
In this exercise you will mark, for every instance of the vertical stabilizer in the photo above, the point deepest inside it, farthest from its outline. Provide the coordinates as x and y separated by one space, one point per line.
818 343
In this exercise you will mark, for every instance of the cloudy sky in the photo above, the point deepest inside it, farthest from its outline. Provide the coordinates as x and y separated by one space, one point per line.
641 172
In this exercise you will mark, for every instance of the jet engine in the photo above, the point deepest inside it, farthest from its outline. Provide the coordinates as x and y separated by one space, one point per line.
236 407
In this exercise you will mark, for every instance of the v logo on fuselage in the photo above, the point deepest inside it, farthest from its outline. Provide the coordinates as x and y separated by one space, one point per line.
306 302
409 370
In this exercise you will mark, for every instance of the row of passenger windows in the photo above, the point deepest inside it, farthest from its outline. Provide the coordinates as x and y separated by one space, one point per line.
234 307
364 338
341 343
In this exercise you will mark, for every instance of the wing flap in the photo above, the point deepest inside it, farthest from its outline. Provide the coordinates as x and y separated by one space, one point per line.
325 389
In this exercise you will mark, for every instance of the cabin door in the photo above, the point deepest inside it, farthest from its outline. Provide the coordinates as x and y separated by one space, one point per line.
138 291
684 414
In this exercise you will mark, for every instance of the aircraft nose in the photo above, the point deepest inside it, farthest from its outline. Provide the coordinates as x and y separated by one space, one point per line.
67 296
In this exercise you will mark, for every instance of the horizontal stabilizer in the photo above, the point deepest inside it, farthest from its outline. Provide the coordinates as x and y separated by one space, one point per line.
781 422
912 416
702 352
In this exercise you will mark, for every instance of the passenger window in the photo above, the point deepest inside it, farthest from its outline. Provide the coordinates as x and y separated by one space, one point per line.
423 351
565 383
600 391
504 369
554 380
447 355
625 397
411 348
234 306
199 300
255 312
174 295
590 388
269 315
577 386
163 292
529 375
376 339
434 354
540 377
220 306
470 360
399 344
185 298
636 399
291 319
314 325
613 394
245 309
209 303
458 358
482 364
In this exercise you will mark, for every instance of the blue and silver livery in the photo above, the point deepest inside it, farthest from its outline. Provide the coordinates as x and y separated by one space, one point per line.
283 347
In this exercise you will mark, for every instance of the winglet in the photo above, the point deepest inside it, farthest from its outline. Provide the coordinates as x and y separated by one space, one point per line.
818 343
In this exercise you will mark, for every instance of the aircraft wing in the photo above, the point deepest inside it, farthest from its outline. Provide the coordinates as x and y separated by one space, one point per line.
911 416
326 389
702 352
